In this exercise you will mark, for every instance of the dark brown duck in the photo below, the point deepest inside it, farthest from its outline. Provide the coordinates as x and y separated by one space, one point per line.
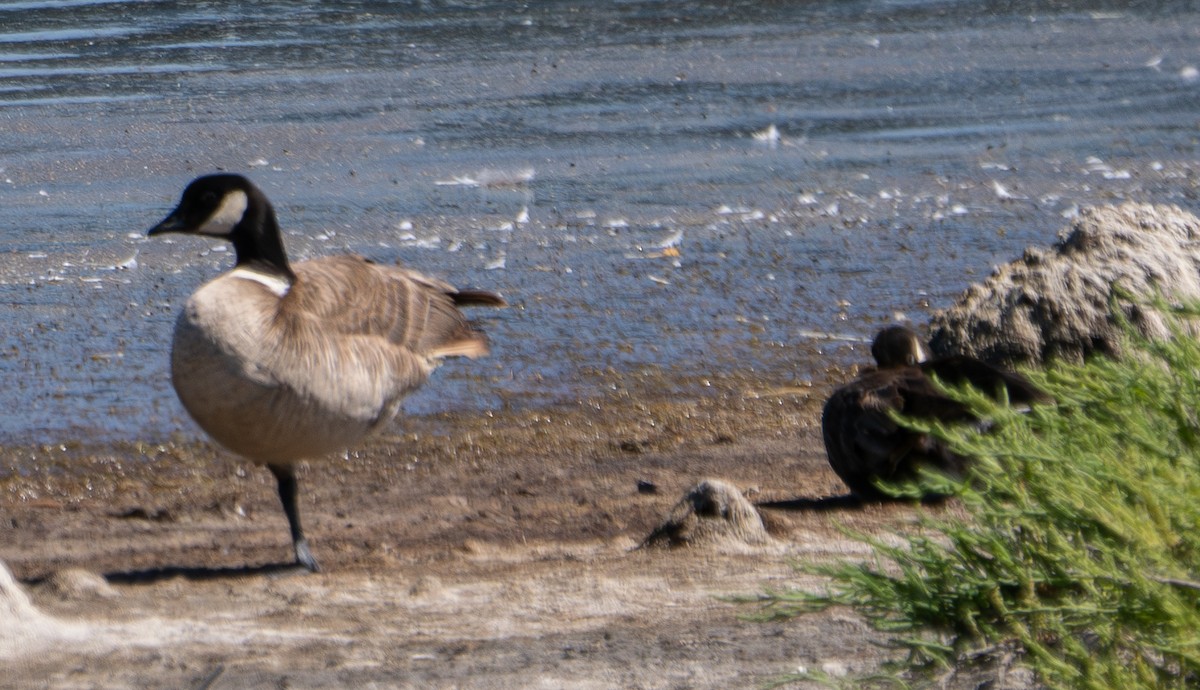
865 445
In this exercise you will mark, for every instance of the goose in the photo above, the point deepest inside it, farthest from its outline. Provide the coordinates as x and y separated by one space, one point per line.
281 363
865 445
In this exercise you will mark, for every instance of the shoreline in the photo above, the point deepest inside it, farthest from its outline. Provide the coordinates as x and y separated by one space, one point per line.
489 551
161 481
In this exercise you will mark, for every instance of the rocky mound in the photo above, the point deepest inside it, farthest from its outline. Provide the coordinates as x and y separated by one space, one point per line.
1054 304
711 514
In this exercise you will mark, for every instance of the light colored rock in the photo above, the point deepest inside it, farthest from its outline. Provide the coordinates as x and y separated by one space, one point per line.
23 628
1054 303
712 514
77 584
15 606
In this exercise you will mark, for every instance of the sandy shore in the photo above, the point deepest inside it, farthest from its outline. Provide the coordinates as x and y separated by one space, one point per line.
494 551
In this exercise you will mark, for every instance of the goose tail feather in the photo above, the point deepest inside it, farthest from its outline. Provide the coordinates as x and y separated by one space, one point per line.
477 298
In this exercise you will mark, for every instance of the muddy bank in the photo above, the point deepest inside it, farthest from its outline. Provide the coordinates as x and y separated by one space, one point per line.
491 551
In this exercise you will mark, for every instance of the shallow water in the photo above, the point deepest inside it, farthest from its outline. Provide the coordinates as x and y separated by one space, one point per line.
821 167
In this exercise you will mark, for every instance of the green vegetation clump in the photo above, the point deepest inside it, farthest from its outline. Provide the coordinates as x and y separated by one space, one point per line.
1079 540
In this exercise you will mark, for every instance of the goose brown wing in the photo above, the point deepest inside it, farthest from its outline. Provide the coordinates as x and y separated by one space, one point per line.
353 296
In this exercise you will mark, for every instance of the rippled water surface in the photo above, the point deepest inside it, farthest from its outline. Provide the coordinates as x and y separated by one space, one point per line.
820 168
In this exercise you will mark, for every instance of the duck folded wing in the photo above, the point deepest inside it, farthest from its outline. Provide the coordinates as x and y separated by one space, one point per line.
958 370
864 441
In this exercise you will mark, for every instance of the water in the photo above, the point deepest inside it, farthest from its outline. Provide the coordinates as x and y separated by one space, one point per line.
824 166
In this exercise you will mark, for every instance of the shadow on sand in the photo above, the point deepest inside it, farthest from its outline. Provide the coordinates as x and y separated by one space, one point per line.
844 501
816 504
200 574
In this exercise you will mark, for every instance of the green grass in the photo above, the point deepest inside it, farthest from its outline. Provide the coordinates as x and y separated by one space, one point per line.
1081 542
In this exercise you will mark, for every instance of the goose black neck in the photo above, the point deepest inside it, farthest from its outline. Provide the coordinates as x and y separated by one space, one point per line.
258 243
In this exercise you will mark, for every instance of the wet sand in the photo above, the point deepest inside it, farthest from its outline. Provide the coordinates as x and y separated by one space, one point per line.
492 551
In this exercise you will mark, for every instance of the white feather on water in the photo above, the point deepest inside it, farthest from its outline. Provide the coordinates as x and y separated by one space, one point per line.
498 263
491 178
830 335
672 240
768 137
1002 192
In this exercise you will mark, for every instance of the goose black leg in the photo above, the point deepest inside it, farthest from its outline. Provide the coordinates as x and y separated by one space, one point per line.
285 475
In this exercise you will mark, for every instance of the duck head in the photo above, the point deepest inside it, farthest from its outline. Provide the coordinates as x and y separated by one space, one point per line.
898 346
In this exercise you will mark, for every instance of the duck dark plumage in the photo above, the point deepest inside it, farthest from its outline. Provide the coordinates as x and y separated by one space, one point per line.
866 445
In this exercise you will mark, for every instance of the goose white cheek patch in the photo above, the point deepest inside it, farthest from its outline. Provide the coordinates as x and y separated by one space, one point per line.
227 215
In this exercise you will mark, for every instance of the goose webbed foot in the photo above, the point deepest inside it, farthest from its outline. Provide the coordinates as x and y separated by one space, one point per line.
305 558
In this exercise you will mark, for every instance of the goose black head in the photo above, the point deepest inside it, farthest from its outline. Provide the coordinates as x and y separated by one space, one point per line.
211 205
229 207
897 346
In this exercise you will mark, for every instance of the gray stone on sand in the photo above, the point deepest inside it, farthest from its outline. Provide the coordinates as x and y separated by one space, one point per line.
77 584
1054 303
712 513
